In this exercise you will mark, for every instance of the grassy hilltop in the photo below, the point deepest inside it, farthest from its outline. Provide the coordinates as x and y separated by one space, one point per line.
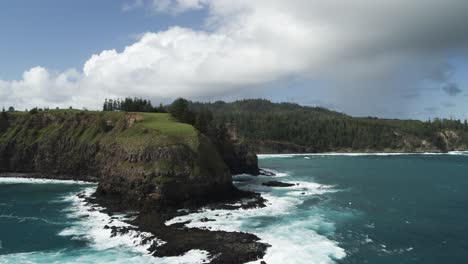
138 156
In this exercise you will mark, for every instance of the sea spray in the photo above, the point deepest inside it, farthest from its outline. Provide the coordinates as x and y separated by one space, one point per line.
293 238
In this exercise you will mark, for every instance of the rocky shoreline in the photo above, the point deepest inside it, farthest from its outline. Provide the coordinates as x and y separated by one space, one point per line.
223 247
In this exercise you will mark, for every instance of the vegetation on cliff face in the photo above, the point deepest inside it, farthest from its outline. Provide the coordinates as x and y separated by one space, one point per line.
138 157
268 127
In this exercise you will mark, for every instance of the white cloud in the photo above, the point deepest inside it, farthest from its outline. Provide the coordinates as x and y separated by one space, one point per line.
248 43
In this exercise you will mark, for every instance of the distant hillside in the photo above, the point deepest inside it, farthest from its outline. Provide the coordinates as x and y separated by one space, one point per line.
269 127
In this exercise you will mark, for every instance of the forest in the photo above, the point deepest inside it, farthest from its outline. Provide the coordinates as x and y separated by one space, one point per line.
317 129
268 126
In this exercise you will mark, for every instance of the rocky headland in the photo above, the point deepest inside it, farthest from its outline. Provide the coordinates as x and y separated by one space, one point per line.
145 162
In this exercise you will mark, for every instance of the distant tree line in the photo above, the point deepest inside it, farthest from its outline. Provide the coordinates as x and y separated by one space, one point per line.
129 104
320 129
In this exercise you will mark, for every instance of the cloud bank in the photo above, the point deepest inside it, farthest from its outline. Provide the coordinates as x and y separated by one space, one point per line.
380 49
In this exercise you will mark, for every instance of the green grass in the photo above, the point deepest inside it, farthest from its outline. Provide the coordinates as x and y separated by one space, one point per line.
156 129
166 124
160 129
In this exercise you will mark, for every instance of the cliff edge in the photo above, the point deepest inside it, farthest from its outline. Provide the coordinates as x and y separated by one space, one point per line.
145 159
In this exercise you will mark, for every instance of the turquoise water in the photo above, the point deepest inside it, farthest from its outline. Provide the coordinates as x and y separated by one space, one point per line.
45 222
358 209
343 209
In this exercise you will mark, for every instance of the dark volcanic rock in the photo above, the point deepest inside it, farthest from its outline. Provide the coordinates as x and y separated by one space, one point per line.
224 247
236 155
277 184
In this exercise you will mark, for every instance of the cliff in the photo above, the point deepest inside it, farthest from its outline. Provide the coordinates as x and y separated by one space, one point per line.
237 156
438 142
145 159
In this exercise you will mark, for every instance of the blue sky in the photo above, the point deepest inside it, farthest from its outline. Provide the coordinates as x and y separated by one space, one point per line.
355 58
61 34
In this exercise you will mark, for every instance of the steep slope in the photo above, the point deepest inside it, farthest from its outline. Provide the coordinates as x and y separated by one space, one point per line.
145 159
267 127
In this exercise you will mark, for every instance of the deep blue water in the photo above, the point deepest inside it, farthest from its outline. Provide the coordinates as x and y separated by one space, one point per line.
344 209
404 209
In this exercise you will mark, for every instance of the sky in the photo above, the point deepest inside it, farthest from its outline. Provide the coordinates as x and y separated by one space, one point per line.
392 59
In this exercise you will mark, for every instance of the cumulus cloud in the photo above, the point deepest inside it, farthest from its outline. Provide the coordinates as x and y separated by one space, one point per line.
364 47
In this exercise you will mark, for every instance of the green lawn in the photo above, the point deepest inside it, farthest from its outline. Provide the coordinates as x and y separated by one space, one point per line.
155 129
166 124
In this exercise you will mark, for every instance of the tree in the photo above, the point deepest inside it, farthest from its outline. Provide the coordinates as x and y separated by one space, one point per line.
161 109
104 107
11 109
33 111
3 121
180 109
203 120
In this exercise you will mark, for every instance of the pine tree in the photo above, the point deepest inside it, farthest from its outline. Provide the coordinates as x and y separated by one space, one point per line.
104 107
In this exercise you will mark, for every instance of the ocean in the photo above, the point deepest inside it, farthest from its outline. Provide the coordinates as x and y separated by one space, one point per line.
343 208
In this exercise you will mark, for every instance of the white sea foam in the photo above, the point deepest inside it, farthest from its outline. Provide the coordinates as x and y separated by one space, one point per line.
309 188
90 227
108 257
292 239
16 180
276 173
28 218
271 156
463 153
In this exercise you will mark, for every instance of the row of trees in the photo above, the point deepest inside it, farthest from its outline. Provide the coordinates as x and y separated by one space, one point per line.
129 104
10 109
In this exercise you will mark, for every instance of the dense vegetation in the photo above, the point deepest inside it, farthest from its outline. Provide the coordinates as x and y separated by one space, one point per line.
129 104
286 127
262 123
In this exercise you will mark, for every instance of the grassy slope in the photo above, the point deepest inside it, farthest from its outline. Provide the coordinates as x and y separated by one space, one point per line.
156 129
111 128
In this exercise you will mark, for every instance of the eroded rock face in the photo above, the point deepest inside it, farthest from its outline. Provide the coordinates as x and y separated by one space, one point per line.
447 140
237 156
82 146
166 176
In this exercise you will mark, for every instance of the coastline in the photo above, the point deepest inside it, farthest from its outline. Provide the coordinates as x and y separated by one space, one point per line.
178 239
153 236
455 152
14 178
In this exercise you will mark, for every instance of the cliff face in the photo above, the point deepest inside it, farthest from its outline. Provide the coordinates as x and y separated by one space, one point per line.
143 159
237 156
443 141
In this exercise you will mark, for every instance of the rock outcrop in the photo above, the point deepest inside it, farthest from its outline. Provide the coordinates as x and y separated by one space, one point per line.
237 155
133 161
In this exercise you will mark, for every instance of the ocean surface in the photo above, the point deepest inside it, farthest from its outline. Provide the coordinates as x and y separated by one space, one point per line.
353 208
